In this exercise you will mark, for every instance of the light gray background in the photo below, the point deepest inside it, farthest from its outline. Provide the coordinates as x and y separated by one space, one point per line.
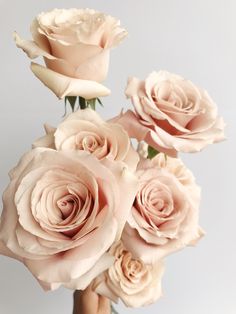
194 38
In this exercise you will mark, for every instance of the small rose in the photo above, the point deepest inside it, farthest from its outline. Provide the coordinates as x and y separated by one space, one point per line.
130 279
164 217
75 44
171 114
62 211
85 130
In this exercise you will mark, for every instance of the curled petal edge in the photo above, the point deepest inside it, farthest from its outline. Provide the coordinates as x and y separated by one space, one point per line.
31 48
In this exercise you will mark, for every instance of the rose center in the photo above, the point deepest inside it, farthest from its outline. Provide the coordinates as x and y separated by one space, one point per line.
90 143
154 203
167 95
133 269
66 206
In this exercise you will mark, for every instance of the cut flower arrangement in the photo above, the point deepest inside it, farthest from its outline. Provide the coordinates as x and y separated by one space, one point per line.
86 207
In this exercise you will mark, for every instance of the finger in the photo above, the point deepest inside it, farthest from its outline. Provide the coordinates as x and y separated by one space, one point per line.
104 305
85 302
76 305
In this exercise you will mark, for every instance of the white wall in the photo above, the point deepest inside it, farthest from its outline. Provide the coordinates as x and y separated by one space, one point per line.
194 38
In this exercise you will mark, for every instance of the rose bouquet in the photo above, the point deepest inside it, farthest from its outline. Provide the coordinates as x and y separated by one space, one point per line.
97 203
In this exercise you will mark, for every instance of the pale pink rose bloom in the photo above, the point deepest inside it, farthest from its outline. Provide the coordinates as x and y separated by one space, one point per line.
171 114
86 130
165 213
130 279
62 211
75 45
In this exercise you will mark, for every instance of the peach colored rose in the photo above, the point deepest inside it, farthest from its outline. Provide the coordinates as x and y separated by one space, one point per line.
75 44
164 217
62 211
172 114
85 130
134 282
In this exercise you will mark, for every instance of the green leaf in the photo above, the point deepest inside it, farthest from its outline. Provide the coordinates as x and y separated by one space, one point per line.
72 101
152 152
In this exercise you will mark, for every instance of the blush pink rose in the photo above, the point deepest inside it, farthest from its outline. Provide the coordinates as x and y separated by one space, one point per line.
62 211
172 114
85 130
75 44
130 279
164 217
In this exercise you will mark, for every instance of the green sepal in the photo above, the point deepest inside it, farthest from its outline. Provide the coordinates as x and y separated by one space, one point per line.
100 102
72 101
82 102
91 103
152 152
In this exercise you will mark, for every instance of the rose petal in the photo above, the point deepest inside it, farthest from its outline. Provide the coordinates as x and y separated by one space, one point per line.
4 250
63 86
135 129
75 262
31 48
94 68
83 281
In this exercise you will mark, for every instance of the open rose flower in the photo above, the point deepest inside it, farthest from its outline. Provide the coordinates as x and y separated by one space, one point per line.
62 211
164 217
172 114
85 130
130 279
75 44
